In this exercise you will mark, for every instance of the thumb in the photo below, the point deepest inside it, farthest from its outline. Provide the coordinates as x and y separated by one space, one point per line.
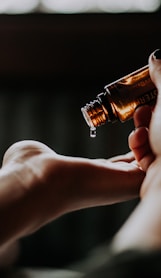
155 125
155 68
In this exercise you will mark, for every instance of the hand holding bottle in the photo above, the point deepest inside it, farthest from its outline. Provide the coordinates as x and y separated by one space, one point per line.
145 141
142 230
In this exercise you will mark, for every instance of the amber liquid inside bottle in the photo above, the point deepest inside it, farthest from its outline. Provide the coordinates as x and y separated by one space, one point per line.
120 99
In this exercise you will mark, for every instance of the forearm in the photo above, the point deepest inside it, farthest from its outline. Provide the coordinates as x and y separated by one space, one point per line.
27 200
143 228
14 210
9 254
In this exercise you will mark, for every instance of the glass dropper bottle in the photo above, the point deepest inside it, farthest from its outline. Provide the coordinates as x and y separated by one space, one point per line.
119 99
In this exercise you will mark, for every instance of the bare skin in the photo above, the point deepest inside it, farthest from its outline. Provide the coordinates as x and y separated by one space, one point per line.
44 185
143 228
37 185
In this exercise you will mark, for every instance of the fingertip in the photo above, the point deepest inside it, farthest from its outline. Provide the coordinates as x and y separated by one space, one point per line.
138 138
155 67
142 116
155 56
140 146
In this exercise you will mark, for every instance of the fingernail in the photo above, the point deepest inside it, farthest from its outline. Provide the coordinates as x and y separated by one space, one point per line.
157 54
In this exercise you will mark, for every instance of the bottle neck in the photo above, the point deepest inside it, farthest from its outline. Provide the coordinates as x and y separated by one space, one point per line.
106 103
98 112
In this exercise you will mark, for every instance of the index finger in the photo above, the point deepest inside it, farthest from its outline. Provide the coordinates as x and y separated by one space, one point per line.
142 116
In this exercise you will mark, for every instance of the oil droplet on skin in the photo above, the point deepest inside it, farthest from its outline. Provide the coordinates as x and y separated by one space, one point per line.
92 132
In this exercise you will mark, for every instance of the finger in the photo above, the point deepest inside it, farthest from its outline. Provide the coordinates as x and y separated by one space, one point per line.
142 116
128 157
155 68
155 125
139 144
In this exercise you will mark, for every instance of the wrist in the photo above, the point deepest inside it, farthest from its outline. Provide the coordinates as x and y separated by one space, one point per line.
142 230
152 181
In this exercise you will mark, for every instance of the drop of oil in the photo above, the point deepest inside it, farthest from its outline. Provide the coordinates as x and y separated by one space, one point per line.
92 132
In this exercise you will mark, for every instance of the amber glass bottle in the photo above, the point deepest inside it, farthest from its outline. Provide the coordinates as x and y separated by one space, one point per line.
119 99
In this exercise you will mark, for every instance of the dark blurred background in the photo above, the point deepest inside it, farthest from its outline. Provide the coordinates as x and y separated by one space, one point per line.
50 66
